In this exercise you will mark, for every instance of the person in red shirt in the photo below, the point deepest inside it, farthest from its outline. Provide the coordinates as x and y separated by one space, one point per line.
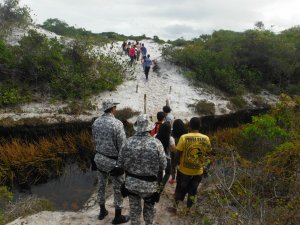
160 118
132 54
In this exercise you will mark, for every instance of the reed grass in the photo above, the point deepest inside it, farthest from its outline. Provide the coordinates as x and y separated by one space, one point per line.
38 157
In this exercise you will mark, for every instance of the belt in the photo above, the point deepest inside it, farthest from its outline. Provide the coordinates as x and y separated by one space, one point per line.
108 156
145 178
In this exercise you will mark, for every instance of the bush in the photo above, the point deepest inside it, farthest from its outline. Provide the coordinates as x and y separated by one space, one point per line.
26 207
238 102
204 107
10 94
261 137
125 114
5 198
12 15
47 67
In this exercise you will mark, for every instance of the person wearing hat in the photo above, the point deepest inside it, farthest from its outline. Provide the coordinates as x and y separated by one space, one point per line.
142 158
109 138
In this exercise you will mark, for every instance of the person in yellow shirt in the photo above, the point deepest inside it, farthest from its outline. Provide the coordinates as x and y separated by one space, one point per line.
193 151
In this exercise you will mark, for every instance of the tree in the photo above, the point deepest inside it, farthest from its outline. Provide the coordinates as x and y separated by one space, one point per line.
12 15
259 25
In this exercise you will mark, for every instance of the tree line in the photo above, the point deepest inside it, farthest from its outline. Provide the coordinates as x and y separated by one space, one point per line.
236 62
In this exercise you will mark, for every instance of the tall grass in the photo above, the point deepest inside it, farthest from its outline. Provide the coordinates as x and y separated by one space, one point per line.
37 158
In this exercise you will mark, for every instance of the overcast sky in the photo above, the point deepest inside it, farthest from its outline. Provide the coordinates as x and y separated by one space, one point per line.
168 19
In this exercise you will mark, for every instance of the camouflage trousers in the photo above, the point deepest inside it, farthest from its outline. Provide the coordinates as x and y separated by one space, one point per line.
117 182
135 204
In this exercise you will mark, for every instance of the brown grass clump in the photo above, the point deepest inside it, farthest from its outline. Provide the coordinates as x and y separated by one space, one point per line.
125 114
39 158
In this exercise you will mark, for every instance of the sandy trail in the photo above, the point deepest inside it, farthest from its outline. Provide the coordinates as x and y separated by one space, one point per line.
168 83
88 216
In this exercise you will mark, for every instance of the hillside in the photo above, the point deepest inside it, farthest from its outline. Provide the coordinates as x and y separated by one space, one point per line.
166 82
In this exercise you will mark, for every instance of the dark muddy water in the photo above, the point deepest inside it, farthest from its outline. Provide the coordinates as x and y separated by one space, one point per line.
68 192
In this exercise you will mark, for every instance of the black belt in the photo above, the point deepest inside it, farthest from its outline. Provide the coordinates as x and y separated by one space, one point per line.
108 156
145 178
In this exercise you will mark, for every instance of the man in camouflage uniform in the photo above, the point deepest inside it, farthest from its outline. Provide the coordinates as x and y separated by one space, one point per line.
142 158
109 137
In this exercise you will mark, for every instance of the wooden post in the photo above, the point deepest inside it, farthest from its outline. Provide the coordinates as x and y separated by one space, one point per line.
145 103
137 88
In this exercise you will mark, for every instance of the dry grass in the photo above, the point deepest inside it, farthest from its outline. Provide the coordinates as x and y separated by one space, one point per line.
26 207
37 158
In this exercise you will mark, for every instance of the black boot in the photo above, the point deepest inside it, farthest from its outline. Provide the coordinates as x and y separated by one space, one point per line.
119 218
103 212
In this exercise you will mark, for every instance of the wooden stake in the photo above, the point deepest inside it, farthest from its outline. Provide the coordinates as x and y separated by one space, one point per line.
145 103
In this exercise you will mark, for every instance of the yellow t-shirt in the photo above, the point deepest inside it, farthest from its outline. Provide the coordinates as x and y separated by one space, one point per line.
195 148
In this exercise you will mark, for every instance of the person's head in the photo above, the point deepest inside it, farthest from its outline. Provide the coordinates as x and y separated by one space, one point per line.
167 109
143 124
148 56
178 128
195 124
160 116
109 106
164 133
143 44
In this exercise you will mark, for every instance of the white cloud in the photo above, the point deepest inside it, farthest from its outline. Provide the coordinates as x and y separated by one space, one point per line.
168 19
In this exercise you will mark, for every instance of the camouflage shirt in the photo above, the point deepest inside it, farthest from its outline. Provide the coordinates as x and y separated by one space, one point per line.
142 155
109 137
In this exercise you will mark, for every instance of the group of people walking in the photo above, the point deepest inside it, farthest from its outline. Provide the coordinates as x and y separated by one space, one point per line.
135 50
141 165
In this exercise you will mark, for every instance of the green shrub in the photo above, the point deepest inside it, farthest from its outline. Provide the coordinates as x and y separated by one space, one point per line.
10 94
205 107
261 137
12 15
26 207
238 102
5 197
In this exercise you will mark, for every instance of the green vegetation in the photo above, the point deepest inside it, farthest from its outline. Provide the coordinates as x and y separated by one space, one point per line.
256 171
12 15
238 61
62 28
22 208
39 66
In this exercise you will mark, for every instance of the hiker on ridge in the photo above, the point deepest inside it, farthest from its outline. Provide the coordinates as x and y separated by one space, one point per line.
109 138
132 54
147 63
143 50
124 47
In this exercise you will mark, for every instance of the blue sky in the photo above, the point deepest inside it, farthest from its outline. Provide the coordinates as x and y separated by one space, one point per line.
168 19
